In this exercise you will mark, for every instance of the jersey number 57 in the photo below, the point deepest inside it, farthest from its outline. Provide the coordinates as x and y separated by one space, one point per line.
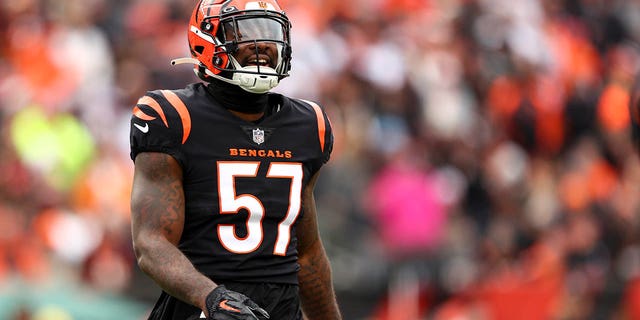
231 203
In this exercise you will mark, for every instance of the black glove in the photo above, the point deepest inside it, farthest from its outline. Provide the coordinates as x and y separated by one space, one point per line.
224 304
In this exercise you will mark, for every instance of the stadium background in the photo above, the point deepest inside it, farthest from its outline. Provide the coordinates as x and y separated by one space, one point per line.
483 166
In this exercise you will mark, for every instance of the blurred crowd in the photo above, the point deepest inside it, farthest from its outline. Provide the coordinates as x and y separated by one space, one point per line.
483 165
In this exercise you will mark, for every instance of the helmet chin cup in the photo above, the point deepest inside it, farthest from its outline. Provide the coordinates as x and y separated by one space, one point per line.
255 82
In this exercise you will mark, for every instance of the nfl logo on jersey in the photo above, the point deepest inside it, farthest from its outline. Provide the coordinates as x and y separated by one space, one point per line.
258 136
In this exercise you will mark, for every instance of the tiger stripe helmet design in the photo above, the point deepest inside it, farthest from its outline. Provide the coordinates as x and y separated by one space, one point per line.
218 27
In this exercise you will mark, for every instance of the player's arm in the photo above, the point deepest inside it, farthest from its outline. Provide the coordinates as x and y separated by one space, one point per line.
316 286
157 214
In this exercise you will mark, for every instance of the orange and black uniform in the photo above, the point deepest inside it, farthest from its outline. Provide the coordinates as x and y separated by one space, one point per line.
242 184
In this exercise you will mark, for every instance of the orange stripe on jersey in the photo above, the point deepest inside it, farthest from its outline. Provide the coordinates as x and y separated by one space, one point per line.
182 112
151 102
320 118
141 115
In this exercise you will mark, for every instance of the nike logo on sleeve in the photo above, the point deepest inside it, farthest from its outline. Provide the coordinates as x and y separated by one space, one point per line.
144 129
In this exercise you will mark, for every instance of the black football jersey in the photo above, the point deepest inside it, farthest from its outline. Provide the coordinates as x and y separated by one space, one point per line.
242 181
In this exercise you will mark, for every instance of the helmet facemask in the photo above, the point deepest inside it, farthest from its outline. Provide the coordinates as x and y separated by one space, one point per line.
257 49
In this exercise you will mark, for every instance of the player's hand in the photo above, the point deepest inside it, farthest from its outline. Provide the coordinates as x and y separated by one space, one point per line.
224 304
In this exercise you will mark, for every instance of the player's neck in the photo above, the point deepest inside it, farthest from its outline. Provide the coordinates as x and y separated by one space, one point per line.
243 104
249 117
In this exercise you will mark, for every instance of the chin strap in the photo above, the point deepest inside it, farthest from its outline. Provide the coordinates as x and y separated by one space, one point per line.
250 82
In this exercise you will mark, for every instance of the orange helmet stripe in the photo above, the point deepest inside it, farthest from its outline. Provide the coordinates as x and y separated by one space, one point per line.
151 102
182 112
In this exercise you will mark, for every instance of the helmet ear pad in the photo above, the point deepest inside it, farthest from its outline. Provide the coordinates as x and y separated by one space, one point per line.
220 60
212 58
202 43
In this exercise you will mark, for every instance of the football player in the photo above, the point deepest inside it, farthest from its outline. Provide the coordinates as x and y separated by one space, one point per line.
223 212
